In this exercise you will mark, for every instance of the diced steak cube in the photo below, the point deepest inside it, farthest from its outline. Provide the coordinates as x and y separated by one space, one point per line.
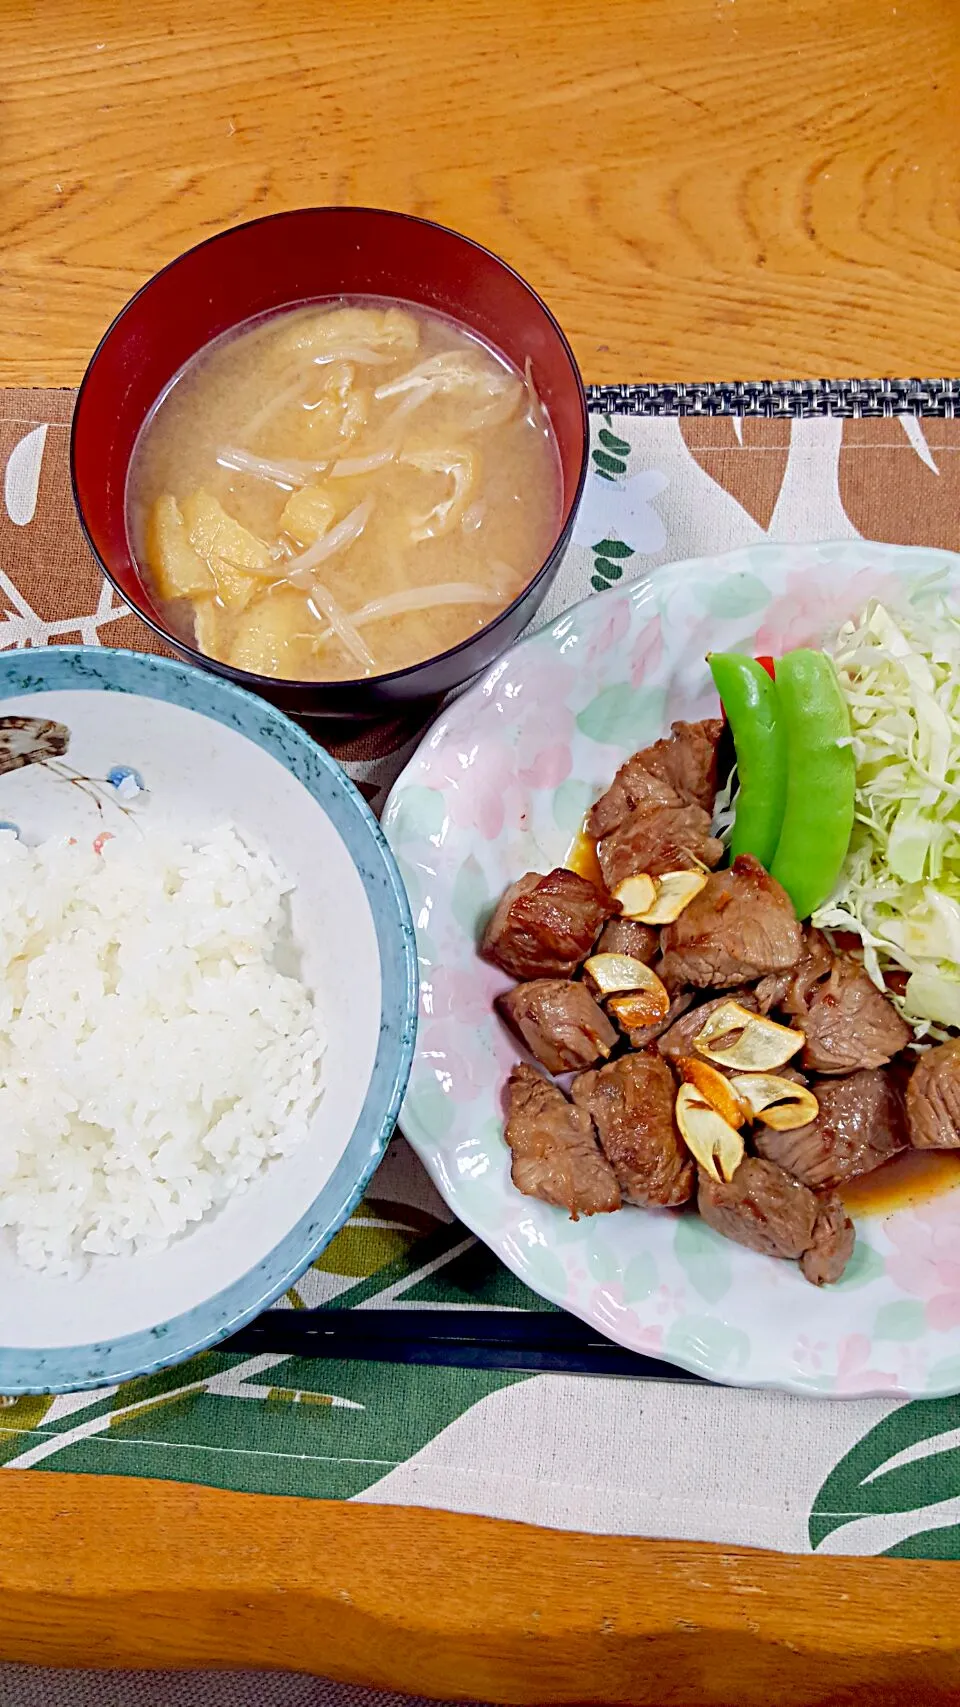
848 1023
556 1156
771 991
766 1210
543 927
686 762
628 936
634 789
740 927
861 1124
560 1023
831 1248
658 839
631 1102
933 1099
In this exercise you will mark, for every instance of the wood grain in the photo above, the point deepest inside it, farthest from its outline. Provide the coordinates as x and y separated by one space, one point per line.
107 1571
701 188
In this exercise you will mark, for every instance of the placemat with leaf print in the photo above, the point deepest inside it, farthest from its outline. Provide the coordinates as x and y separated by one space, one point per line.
675 472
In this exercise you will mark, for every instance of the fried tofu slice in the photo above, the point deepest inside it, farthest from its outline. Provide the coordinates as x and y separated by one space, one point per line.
234 588
307 514
391 331
179 572
215 534
208 629
271 638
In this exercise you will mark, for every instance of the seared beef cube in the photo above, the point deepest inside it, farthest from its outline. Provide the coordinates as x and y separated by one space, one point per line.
658 839
933 1099
741 926
560 1023
628 936
761 1207
848 1023
766 1210
556 1156
544 927
678 1040
686 762
631 1102
834 1237
634 789
861 1124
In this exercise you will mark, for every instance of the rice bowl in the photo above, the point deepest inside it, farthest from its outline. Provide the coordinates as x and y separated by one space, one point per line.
155 755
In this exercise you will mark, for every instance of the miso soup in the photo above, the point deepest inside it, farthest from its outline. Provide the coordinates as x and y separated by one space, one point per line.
342 490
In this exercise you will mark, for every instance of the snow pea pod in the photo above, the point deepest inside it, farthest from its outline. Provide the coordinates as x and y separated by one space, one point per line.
821 780
750 701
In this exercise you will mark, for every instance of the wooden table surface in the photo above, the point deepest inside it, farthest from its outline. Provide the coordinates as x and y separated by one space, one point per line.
702 189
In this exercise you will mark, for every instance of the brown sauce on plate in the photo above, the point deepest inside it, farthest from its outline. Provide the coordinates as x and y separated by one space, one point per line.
911 1178
582 858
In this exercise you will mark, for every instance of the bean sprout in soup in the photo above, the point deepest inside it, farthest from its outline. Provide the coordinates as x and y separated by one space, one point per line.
342 490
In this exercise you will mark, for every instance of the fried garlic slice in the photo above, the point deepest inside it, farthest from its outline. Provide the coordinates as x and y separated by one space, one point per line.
779 1103
713 1143
715 1089
734 1037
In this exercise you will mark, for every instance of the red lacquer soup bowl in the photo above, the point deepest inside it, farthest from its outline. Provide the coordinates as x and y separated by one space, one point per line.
283 261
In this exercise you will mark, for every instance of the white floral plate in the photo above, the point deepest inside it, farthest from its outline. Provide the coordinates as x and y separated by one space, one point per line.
499 787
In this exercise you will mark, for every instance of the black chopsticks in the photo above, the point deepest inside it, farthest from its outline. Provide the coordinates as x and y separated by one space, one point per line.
528 1340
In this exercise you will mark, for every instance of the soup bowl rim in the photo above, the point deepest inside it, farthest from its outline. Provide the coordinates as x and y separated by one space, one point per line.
251 679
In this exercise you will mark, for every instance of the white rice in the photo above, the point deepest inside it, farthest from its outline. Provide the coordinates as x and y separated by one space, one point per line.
153 1058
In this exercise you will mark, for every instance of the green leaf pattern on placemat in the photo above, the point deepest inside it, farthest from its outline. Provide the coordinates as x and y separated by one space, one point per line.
609 457
610 453
609 556
909 1462
273 1423
269 1424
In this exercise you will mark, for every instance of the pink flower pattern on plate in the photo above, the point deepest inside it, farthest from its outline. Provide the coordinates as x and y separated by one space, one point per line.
926 1262
453 1068
480 781
465 996
813 605
611 631
809 1353
618 1320
853 1372
646 654
549 767
542 744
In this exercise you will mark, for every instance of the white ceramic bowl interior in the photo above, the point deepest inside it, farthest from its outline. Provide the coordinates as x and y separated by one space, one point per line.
218 756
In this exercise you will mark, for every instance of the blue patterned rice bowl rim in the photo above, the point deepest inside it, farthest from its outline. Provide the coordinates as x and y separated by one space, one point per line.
112 670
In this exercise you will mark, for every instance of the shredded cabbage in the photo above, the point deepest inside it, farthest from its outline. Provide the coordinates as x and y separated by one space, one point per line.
899 888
